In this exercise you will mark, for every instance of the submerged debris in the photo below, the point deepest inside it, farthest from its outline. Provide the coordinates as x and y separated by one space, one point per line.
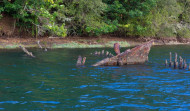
26 51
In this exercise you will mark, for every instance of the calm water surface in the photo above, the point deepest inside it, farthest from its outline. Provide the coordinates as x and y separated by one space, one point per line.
53 82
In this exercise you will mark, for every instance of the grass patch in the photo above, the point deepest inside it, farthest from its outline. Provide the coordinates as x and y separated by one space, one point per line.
122 44
76 45
81 45
70 45
13 46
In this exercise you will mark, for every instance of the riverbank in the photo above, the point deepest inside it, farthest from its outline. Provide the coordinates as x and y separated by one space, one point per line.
84 42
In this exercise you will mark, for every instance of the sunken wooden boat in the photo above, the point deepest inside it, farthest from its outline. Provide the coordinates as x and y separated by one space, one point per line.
136 55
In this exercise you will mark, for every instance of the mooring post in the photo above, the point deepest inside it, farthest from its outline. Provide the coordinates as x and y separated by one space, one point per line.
166 62
175 63
171 63
184 64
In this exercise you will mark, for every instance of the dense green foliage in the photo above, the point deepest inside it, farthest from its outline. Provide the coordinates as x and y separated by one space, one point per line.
148 18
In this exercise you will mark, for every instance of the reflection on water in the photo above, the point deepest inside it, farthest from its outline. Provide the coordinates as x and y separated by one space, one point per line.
53 82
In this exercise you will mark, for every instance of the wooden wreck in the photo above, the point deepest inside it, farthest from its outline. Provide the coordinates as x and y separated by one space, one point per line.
136 55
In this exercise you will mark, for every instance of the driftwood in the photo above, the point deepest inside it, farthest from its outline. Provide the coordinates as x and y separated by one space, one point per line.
40 46
137 55
26 51
38 42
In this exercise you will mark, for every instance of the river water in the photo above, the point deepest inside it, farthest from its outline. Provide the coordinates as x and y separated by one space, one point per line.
51 81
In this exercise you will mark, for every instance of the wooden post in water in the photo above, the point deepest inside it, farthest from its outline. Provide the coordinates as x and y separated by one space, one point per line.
171 62
102 52
79 60
175 63
180 62
96 53
107 53
84 60
166 62
99 53
184 64
26 51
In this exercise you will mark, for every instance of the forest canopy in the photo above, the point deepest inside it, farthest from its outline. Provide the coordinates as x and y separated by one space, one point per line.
145 18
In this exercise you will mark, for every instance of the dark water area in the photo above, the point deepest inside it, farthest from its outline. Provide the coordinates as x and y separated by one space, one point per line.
51 81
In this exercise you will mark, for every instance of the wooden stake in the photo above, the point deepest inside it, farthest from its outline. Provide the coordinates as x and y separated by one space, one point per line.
170 56
84 60
102 52
180 62
166 62
171 63
184 64
79 61
96 53
99 53
175 63
175 57
107 53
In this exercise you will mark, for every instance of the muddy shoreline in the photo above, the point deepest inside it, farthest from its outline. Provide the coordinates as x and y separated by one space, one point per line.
85 42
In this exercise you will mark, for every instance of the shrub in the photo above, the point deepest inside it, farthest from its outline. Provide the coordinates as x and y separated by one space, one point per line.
185 32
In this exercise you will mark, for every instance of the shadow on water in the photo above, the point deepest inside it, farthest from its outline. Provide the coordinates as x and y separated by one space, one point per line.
53 82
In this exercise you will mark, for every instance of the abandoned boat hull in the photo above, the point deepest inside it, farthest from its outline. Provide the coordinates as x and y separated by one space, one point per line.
137 55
